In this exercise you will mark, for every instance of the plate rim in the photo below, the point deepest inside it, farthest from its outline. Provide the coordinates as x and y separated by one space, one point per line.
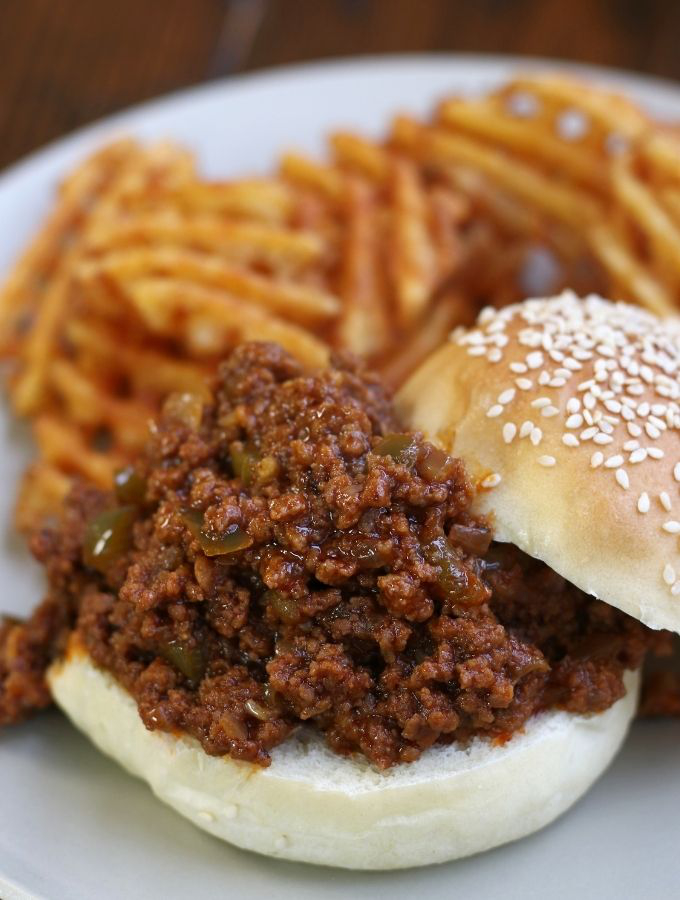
489 65
491 62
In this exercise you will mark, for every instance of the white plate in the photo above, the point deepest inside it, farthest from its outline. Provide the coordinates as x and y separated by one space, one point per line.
75 827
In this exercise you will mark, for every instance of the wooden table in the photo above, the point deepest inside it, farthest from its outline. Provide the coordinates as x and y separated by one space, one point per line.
67 62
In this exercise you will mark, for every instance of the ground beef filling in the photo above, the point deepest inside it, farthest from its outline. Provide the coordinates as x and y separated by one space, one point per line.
285 554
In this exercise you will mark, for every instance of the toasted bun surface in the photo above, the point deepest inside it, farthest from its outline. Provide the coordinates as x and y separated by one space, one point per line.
314 806
574 405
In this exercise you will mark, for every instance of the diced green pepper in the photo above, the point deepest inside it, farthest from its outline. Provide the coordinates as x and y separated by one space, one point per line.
190 661
108 537
129 486
242 461
230 541
403 448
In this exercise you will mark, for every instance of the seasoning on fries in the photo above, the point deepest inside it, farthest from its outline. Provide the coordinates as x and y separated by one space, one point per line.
145 273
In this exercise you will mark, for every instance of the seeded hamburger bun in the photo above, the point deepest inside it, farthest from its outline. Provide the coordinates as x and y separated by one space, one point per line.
567 413
314 806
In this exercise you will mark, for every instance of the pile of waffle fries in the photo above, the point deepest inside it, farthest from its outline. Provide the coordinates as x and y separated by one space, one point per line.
145 274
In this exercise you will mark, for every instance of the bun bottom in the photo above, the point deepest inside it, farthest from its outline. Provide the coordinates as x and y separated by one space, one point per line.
313 806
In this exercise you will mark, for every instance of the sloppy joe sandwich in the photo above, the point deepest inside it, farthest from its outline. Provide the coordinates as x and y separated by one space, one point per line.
324 636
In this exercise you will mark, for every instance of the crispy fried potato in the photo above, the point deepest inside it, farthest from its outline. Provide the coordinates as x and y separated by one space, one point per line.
144 274
209 323
295 301
363 327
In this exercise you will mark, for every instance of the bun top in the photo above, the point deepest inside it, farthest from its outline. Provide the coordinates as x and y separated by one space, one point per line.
567 413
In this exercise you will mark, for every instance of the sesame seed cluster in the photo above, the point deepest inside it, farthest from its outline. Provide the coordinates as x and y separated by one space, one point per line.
621 370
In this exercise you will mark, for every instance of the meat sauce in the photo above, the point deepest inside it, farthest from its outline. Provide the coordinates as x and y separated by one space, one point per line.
285 554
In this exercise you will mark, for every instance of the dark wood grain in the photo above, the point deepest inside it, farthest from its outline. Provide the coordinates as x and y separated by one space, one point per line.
66 62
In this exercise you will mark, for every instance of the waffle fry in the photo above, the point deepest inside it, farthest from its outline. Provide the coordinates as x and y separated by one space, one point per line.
413 253
209 322
145 274
364 327
295 301
484 119
253 199
308 173
366 157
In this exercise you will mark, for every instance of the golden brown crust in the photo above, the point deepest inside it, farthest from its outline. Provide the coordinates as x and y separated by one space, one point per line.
570 493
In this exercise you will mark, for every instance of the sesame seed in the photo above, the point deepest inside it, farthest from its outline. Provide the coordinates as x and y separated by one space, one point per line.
622 478
631 375
474 337
675 590
672 527
643 502
669 574
494 355
491 481
547 461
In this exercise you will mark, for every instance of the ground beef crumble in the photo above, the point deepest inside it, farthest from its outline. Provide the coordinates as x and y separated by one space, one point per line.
286 554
